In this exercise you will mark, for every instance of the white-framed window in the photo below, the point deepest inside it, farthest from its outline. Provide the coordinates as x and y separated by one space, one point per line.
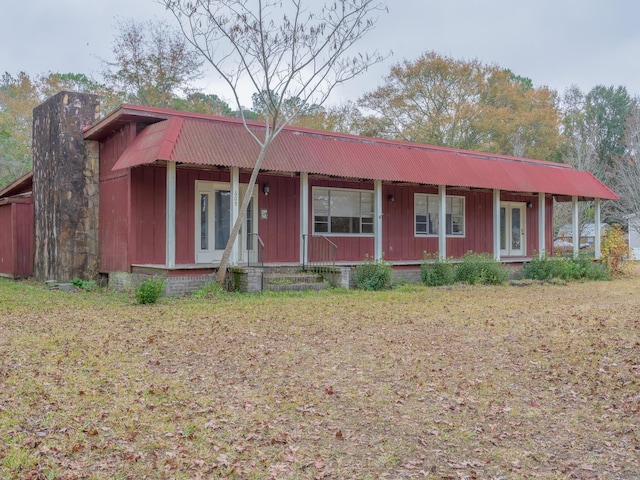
341 211
427 213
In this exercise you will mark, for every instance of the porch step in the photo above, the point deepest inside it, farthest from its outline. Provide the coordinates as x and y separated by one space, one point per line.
292 282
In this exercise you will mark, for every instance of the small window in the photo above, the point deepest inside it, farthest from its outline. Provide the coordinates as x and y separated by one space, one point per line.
342 211
427 215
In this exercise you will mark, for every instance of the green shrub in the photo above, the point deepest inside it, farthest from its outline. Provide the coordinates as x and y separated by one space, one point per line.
544 268
150 290
436 272
210 290
373 274
597 271
480 268
81 284
565 268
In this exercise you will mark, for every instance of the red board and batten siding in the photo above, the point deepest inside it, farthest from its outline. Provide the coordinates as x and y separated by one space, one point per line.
280 230
6 240
16 237
114 205
24 237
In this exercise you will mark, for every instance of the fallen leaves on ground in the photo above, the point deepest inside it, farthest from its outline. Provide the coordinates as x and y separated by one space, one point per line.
465 382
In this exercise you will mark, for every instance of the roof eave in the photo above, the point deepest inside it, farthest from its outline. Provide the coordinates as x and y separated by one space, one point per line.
16 184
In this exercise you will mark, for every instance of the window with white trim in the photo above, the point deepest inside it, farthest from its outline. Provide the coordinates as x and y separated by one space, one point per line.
340 211
427 213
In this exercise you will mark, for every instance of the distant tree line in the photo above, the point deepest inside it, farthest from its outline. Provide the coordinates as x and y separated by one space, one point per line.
433 99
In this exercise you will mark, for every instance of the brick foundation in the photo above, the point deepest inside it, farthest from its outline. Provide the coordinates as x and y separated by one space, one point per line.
248 280
174 287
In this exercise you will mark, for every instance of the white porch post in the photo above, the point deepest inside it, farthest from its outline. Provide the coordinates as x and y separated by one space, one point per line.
542 248
170 243
377 212
496 224
235 210
304 217
442 221
598 239
574 224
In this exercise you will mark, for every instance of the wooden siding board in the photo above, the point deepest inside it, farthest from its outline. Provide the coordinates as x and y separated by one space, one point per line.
7 255
24 239
110 151
280 231
114 225
148 186
185 211
116 232
549 238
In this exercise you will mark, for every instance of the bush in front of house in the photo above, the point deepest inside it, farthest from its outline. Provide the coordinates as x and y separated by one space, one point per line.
150 290
614 249
436 272
480 269
373 274
81 284
545 268
564 268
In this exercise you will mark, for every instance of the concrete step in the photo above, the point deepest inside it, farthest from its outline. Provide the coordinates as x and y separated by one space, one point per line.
296 287
292 282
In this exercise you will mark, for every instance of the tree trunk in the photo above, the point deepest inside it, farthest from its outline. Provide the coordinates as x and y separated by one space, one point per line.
224 261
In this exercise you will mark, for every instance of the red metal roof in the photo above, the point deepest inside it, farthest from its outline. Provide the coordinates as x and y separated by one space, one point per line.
207 140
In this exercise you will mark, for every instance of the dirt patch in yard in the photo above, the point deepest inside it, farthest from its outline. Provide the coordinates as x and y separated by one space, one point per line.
463 382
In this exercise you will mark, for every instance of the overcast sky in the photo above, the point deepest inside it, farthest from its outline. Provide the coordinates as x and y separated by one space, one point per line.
555 43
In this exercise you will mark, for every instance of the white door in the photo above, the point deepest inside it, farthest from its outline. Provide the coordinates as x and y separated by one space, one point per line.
249 240
213 222
512 231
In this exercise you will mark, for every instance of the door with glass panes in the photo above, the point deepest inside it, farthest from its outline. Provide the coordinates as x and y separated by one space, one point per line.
213 222
512 229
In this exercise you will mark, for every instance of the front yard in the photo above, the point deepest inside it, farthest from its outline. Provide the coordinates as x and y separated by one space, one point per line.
459 382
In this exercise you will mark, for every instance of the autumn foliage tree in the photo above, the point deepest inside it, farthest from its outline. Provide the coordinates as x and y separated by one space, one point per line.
465 104
19 95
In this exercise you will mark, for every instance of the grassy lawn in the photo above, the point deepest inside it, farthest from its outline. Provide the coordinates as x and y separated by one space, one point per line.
463 382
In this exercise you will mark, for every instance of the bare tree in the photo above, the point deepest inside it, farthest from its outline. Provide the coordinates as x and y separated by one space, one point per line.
283 50
580 149
625 174
153 63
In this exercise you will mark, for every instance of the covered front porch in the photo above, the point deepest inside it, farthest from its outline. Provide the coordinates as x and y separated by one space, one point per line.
510 242
510 238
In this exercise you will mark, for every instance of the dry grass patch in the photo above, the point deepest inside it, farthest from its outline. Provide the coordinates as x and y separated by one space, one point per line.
464 382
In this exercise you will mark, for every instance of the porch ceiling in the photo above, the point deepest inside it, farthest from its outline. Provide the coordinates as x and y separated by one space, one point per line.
202 140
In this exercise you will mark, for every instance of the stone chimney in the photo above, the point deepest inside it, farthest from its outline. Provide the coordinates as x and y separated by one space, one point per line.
65 188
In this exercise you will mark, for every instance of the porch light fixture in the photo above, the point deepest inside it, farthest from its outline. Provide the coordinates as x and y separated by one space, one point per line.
265 188
392 198
529 204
